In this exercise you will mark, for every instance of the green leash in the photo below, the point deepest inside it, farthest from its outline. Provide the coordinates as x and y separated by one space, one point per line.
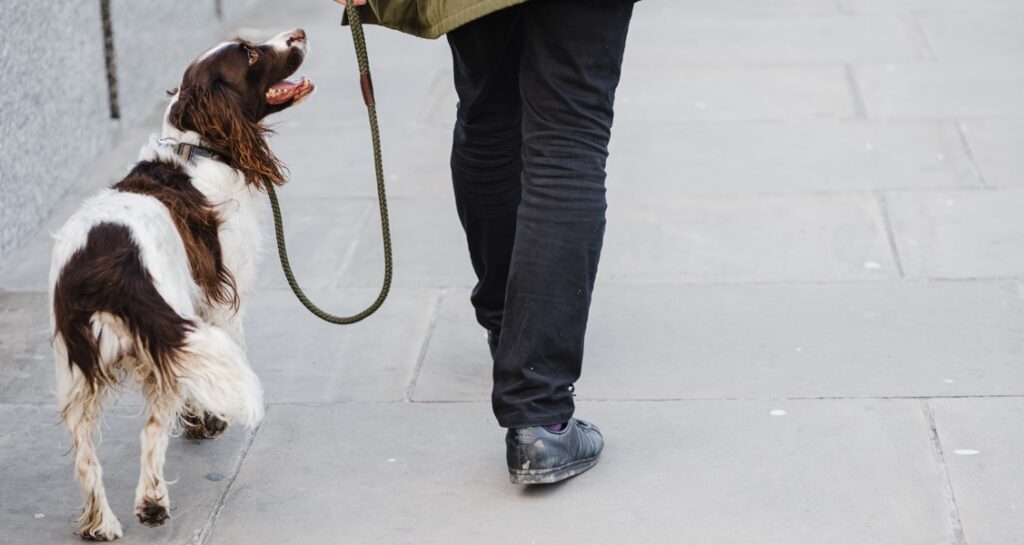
366 84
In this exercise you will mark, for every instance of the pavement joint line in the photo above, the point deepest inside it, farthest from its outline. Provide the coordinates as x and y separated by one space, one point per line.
797 283
1015 292
837 118
647 282
922 37
403 401
890 236
5 405
824 192
626 123
353 247
981 118
435 314
853 192
956 525
669 282
368 198
313 404
800 398
400 197
341 199
403 128
860 110
975 168
630 124
768 65
236 468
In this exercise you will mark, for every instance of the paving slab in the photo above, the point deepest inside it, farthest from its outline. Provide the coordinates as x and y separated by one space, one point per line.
41 499
772 39
231 10
905 5
726 472
768 341
332 53
996 147
786 157
959 234
320 234
763 151
28 267
685 7
980 88
745 238
429 247
974 34
731 93
337 161
983 447
143 49
405 98
405 70
26 373
300 358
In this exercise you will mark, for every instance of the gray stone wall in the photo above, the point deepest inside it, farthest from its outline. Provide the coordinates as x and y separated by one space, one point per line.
56 116
56 120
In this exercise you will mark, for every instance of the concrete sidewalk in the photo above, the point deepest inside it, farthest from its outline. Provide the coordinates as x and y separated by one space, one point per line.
808 329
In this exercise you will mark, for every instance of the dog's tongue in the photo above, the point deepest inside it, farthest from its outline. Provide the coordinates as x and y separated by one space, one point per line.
283 91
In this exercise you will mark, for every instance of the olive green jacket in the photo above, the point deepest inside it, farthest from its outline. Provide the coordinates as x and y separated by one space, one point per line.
429 18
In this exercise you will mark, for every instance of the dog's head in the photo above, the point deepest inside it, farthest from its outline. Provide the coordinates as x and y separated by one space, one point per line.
227 91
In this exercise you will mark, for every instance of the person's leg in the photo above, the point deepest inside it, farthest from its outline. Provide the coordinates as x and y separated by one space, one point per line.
571 60
486 158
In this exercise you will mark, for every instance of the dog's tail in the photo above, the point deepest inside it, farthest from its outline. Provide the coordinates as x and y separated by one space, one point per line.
214 373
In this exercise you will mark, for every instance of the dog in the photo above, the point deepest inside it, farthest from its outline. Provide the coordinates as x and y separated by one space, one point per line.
149 278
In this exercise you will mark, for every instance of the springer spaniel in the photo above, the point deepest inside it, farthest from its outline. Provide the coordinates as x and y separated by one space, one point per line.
148 278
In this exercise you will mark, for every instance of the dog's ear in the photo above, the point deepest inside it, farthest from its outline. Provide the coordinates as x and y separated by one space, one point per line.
217 115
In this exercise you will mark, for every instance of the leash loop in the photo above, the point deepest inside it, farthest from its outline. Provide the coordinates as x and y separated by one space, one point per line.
366 85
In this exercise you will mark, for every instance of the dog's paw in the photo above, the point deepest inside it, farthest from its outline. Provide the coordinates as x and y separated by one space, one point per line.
206 426
151 513
104 528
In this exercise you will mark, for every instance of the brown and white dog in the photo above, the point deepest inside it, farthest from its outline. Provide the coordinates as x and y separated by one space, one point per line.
149 278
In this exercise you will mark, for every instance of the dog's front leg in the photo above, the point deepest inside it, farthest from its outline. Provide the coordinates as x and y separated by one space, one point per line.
197 422
152 505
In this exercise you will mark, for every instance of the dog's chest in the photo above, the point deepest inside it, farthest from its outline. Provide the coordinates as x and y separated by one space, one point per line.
242 238
240 209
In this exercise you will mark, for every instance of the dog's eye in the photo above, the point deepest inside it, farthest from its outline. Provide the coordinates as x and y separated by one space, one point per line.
253 55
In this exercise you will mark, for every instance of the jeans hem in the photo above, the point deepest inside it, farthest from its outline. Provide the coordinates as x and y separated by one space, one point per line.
534 422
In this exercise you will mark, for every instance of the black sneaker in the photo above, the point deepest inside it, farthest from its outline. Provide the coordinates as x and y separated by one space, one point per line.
538 456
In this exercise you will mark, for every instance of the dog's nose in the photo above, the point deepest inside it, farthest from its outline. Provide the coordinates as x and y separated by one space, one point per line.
297 35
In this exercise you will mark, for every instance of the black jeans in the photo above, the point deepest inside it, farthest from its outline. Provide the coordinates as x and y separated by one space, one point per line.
536 84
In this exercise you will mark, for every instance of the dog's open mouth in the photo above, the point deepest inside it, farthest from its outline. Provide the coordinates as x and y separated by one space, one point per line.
285 91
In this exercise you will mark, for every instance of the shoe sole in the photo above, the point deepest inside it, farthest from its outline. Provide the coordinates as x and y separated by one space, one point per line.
553 475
